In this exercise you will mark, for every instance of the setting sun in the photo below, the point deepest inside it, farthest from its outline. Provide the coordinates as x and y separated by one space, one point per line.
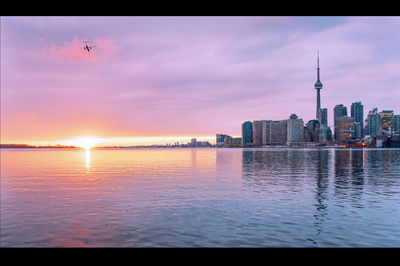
85 142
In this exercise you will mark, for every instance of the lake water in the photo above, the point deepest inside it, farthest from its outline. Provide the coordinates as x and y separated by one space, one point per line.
200 198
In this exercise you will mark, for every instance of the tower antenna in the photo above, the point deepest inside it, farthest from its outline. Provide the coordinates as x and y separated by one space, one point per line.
318 64
318 87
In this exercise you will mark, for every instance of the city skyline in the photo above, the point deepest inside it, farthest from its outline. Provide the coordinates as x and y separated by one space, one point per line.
169 77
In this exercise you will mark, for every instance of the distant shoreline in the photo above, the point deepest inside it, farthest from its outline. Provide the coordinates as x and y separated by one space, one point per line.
26 146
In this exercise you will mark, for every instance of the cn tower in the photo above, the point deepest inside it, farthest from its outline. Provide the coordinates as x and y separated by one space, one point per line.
318 87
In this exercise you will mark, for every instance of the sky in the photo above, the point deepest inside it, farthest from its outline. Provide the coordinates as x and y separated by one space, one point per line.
172 78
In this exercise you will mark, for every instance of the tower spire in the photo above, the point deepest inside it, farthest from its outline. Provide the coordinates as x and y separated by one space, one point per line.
317 65
318 87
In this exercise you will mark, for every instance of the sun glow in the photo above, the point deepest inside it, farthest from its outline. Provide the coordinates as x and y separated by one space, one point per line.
88 142
85 142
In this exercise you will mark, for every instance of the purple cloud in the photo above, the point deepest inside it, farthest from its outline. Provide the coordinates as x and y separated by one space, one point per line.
189 75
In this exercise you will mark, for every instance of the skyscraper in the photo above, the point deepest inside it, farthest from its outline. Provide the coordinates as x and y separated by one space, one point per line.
339 111
247 133
357 130
275 132
323 116
318 87
396 123
345 128
374 121
258 133
295 131
387 120
357 112
313 130
325 133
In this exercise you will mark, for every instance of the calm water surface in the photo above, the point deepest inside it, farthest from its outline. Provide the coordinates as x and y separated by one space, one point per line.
200 197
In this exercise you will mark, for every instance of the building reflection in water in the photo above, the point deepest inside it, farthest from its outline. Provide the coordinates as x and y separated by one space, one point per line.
322 162
349 174
262 169
301 170
194 159
381 167
357 168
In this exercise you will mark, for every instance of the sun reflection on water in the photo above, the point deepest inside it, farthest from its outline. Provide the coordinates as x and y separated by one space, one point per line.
87 159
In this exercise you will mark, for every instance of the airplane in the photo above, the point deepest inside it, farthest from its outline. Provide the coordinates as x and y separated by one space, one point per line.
86 47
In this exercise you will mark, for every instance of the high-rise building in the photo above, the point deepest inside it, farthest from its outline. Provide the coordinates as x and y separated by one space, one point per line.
374 122
339 111
275 132
295 131
324 133
357 112
307 137
365 129
247 133
396 123
258 133
345 128
318 87
313 130
323 116
386 120
268 132
357 130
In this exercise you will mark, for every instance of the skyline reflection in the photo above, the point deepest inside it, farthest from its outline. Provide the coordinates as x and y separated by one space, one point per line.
200 197
332 180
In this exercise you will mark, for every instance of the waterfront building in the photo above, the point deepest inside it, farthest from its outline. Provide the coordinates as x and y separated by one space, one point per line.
374 122
386 120
220 139
324 133
203 144
295 131
396 123
357 130
193 142
318 87
275 132
323 116
257 133
269 132
357 112
307 137
365 129
313 127
233 142
329 133
345 129
339 111
247 133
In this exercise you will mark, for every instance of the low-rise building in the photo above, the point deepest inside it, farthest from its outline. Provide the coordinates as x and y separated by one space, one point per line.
233 142
220 139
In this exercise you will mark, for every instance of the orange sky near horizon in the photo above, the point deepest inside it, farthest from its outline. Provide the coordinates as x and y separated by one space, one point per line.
158 80
94 141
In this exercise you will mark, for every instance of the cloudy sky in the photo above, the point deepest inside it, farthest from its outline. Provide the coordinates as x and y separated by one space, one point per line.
187 76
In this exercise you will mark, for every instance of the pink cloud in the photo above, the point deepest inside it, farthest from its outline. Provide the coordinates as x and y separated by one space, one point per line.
74 50
26 115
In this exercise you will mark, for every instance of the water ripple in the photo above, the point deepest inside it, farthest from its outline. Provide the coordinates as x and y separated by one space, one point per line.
201 197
